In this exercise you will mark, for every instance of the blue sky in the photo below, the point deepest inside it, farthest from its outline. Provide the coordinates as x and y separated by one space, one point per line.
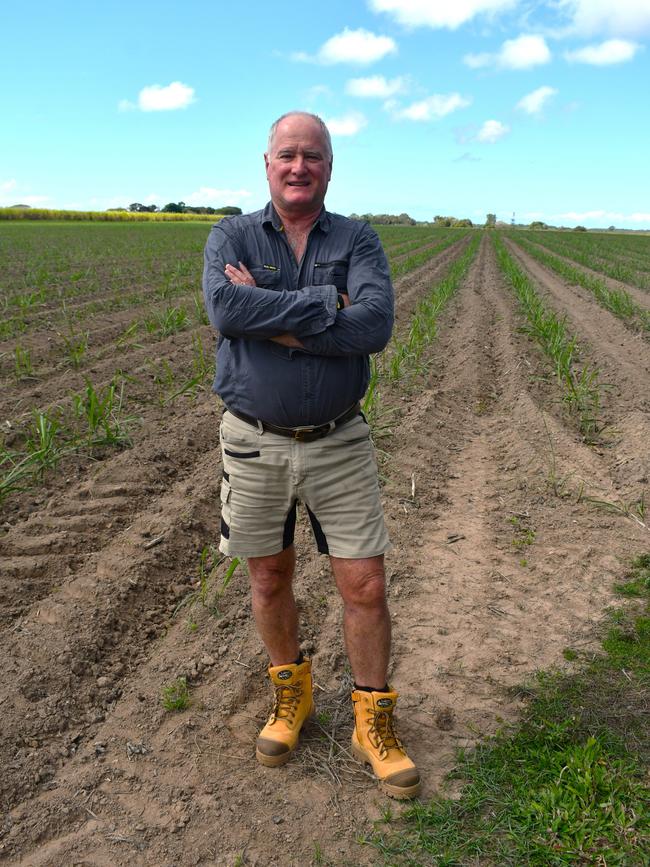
435 107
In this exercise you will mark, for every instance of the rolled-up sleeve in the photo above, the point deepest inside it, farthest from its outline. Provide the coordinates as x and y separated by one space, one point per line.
254 312
366 325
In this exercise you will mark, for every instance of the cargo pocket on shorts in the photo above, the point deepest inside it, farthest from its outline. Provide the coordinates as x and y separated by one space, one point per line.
242 455
226 492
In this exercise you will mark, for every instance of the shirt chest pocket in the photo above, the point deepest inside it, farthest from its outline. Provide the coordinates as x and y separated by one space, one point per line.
266 276
333 273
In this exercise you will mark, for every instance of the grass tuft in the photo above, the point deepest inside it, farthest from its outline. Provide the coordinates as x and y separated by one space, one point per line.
176 696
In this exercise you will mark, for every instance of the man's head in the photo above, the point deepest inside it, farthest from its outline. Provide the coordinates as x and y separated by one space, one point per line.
298 163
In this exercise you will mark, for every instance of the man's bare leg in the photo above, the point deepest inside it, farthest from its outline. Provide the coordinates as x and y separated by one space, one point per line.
274 606
366 621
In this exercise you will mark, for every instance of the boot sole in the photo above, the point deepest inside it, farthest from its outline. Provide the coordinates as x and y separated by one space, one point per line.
283 758
400 793
272 761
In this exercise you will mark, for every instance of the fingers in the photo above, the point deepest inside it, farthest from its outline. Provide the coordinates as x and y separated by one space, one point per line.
247 274
240 276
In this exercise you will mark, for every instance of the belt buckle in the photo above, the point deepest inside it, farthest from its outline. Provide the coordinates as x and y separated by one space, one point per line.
299 433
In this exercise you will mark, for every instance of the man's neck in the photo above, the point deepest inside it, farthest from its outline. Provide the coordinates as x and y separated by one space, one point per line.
299 222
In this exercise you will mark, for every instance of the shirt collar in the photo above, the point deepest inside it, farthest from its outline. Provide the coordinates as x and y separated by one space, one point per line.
271 216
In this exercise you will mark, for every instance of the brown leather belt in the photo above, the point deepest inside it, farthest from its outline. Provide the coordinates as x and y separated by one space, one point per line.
304 434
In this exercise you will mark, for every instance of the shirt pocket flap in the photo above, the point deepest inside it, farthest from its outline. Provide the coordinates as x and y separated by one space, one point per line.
266 276
333 273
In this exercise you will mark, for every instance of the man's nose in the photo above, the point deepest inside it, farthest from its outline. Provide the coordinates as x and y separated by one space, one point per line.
298 164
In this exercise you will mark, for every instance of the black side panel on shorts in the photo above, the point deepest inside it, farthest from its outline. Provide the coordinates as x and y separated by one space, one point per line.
225 529
321 541
289 527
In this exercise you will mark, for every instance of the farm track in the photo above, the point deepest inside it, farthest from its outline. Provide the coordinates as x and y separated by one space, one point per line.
622 356
472 619
637 293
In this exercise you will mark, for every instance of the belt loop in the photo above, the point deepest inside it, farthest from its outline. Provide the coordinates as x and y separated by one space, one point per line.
332 425
260 427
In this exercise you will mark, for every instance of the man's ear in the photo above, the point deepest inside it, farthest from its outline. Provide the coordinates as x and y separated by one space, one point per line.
266 164
330 175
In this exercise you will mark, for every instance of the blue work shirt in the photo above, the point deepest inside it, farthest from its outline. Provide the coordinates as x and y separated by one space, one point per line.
277 384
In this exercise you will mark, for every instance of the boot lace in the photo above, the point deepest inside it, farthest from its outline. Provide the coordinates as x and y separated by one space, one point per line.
381 733
287 699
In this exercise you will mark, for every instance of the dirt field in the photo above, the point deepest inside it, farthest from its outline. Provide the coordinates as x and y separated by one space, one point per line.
501 560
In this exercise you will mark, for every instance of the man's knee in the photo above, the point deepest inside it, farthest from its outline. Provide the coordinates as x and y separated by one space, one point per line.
270 576
361 583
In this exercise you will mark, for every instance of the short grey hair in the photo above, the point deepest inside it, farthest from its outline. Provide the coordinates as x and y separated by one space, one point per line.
321 123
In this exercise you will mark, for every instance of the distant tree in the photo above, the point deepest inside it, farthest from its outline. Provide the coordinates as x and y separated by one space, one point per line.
227 210
385 219
465 223
406 220
611 229
490 221
174 208
116 209
580 229
537 224
20 206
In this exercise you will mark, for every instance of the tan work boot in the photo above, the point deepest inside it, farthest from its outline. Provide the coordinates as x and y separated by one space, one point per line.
293 705
374 742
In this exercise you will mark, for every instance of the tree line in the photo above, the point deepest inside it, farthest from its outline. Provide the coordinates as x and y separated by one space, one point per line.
179 208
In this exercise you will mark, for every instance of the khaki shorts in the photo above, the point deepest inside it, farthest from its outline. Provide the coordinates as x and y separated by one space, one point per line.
265 475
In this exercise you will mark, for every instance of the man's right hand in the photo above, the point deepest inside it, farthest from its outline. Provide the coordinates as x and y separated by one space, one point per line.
239 276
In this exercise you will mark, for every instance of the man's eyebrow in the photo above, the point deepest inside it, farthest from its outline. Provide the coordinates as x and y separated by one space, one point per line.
293 150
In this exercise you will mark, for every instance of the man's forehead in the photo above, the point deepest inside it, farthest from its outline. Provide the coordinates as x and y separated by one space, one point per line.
303 132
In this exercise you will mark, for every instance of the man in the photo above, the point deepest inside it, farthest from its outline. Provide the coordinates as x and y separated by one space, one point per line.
301 297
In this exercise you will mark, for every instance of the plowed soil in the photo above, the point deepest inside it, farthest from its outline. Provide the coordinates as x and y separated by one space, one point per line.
501 560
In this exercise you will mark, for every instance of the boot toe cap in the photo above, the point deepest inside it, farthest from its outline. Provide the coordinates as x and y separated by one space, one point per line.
406 779
269 747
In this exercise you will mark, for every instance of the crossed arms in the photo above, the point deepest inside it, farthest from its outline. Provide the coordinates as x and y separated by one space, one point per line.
306 318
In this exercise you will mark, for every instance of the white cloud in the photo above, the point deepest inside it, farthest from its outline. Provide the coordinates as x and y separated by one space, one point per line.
521 53
604 216
534 102
609 17
10 195
351 46
436 13
215 198
432 108
33 201
524 52
605 54
155 97
348 124
492 131
375 86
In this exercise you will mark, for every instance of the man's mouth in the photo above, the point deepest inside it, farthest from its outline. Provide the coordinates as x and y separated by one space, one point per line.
298 183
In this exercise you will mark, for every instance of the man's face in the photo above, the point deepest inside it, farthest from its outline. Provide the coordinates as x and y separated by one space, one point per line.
298 167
